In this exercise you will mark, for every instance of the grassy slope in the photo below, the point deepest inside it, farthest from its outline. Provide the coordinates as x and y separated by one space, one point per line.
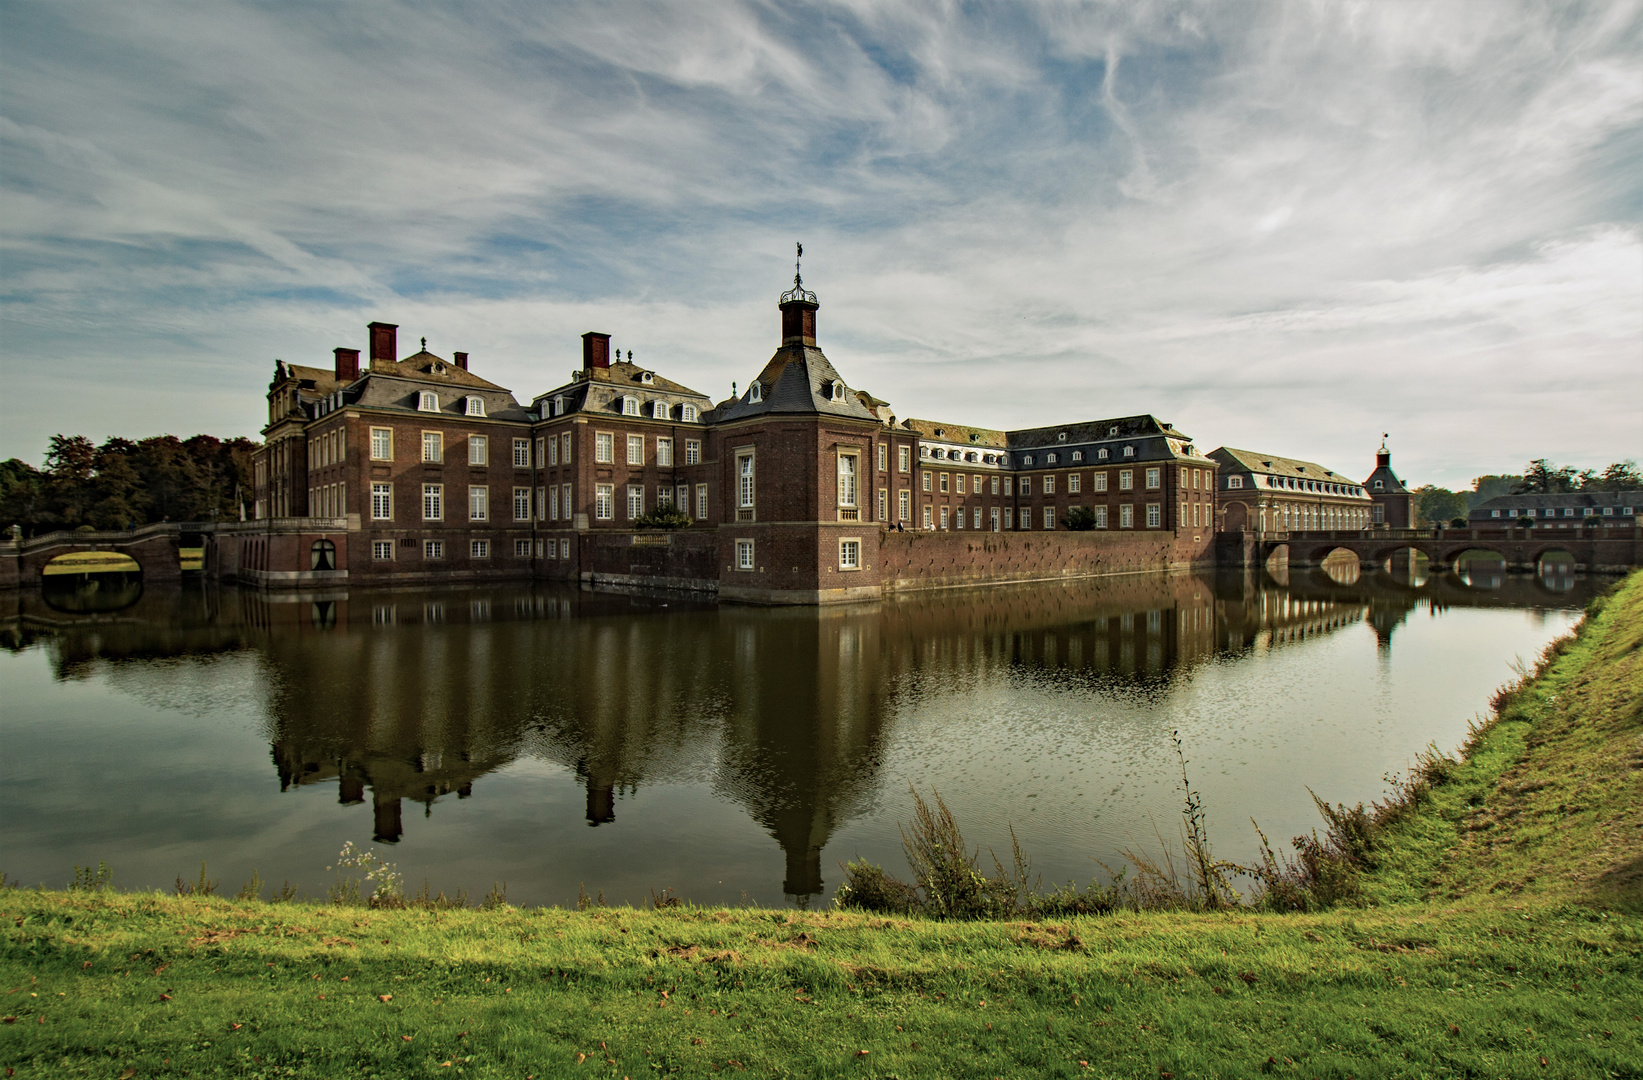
1503 937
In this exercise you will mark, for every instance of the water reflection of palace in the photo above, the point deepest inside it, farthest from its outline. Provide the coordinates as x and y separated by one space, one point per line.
410 697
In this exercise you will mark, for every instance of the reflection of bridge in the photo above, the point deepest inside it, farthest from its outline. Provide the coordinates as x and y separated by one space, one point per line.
1598 548
222 550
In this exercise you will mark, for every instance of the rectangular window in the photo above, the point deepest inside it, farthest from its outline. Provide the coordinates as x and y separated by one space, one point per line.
1075 483
1049 517
476 406
565 505
541 453
994 515
1153 478
883 452
945 514
664 496
521 504
693 451
382 549
1496 513
433 549
1101 517
604 448
382 444
848 465
959 522
427 401
926 476
1009 517
479 450
1126 479
958 483
1049 485
521 549
904 459
604 502
433 502
1235 482
553 450
849 554
479 503
1155 516
521 453
382 502
542 503
975 518
564 448
701 502
884 505
927 524
636 501
944 482
433 446
1126 516
1026 520
995 489
1009 485
1194 515
636 449
664 453
744 554
904 505
479 549
744 486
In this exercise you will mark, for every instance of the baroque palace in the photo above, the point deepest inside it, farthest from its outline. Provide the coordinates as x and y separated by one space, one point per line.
801 490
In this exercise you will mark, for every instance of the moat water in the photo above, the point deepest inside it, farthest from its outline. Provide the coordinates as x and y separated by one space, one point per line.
552 738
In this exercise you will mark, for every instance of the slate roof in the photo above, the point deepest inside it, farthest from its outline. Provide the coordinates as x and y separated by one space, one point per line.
620 380
422 365
794 382
1093 431
1514 505
957 433
1390 484
1276 465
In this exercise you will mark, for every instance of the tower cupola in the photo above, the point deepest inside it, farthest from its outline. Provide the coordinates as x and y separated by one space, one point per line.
798 309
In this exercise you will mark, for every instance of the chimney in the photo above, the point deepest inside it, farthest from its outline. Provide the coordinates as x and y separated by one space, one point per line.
461 359
347 364
595 351
384 349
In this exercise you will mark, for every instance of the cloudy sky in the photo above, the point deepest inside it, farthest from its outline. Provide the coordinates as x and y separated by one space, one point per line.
1287 226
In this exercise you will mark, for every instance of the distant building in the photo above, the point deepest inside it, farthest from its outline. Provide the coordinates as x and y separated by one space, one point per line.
1262 492
1394 503
1574 508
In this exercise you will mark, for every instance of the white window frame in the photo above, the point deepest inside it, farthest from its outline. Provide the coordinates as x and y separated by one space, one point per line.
693 451
433 447
630 406
687 413
664 452
747 484
745 555
479 502
1101 517
1154 479
849 549
1075 483
433 502
1049 517
382 444
1126 479
553 450
475 406
427 401
604 502
479 549
849 484
904 505
479 450
1126 516
701 502
636 449
604 447
1155 516
904 458
659 411
433 549
1235 483
521 504
382 501
382 550
636 501
521 453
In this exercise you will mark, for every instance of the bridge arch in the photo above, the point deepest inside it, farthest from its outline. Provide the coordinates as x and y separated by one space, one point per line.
1479 567
1336 563
86 582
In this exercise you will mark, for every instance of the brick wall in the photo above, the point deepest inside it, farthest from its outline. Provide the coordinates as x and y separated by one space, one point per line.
923 560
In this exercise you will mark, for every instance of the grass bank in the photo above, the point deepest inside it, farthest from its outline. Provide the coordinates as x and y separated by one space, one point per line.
1500 935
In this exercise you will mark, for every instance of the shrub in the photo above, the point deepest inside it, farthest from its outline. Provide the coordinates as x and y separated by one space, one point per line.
663 517
1079 519
868 888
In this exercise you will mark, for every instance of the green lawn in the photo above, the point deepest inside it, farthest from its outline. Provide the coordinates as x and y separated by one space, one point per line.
1503 939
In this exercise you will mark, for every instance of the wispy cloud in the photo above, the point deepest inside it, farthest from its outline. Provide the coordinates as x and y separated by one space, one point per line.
1280 225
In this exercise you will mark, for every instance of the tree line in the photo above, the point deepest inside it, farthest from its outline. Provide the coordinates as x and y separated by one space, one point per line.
1436 504
122 484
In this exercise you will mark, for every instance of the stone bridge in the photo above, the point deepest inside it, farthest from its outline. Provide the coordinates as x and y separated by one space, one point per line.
156 549
1600 548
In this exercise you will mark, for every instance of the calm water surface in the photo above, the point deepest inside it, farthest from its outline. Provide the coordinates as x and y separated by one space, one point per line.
547 737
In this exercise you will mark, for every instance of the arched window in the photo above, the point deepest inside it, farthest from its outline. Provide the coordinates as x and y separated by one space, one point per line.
688 414
630 406
322 556
755 393
659 410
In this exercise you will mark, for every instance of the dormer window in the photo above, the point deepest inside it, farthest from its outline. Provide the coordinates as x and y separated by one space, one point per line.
971 456
559 405
687 413
1129 451
1101 454
1112 433
974 437
1050 458
630 406
436 369
1078 455
940 453
755 393
1380 485
1235 482
659 410
924 451
646 377
838 391
1061 436
476 406
1027 459
427 401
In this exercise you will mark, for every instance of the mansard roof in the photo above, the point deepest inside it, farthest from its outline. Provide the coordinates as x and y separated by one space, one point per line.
1559 500
425 366
596 388
957 433
1276 465
797 380
1390 484
1091 431
319 380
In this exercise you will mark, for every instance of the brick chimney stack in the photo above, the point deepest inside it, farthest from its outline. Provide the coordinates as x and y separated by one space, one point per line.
461 359
384 346
347 364
595 351
799 322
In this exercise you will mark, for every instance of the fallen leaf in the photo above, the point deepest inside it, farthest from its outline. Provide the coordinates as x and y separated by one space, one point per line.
407 1038
581 1058
42 1019
385 997
126 1075
165 997
1454 1029
1083 1064
1543 1060
862 1053
1248 977
345 978
235 1027
444 1064
85 965
385 941
322 997
695 1042
8 1020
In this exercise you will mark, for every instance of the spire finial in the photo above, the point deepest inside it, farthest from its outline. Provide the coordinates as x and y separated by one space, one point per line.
798 292
424 344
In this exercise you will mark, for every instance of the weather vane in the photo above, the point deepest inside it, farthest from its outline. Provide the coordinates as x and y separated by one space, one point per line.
798 291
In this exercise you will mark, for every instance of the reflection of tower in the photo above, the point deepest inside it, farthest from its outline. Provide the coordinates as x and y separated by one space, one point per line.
601 802
386 826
